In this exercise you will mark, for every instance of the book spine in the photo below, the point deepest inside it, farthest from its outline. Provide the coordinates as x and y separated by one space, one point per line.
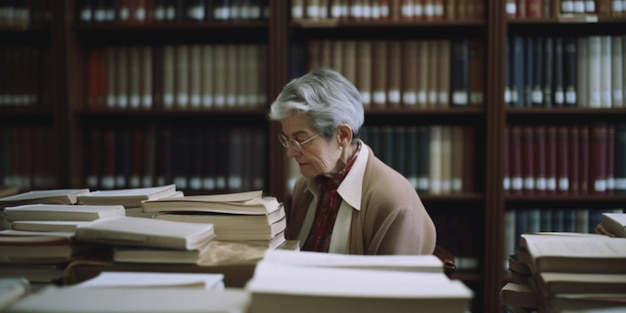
597 158
459 72
619 170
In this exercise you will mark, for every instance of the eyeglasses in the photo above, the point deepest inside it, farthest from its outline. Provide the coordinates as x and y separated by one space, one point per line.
296 145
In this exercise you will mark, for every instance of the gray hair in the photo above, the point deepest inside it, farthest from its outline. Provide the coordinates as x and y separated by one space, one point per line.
326 97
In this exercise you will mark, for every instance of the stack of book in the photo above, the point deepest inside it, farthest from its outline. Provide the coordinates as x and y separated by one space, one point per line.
298 281
57 217
562 272
41 240
50 196
130 198
245 217
39 257
147 240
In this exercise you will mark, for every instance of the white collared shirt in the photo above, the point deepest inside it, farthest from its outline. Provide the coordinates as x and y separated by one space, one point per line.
350 191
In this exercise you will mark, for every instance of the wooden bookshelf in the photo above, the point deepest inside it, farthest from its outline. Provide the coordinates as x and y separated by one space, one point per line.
66 114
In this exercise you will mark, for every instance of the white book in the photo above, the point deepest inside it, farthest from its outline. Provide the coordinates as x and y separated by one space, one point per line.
410 263
133 300
146 232
278 287
44 226
67 212
154 280
52 196
130 197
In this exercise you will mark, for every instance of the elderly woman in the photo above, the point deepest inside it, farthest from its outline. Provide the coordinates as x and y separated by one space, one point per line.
347 200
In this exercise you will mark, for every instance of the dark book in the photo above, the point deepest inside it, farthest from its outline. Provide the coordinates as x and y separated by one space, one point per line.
536 98
559 82
528 158
569 67
516 159
551 158
610 158
584 154
412 154
548 71
459 72
598 137
399 143
423 159
619 170
529 70
562 159
539 155
476 85
517 62
506 160
573 153
122 157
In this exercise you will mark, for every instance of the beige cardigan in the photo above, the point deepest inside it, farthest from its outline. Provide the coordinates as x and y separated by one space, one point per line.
391 219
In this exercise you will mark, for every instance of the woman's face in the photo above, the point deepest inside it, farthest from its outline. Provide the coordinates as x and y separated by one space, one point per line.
318 156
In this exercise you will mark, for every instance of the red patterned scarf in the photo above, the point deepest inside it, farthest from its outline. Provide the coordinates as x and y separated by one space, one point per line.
327 208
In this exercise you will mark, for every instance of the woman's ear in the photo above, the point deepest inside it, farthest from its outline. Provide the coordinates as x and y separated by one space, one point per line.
344 135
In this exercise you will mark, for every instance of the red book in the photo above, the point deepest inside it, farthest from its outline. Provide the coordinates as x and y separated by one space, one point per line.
573 151
551 159
92 78
515 154
597 158
539 149
583 158
528 158
534 8
610 158
562 159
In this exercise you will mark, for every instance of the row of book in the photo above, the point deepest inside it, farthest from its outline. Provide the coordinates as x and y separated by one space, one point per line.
566 272
25 76
563 8
160 11
436 159
28 157
178 77
215 160
583 72
420 74
531 220
573 159
20 15
406 10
